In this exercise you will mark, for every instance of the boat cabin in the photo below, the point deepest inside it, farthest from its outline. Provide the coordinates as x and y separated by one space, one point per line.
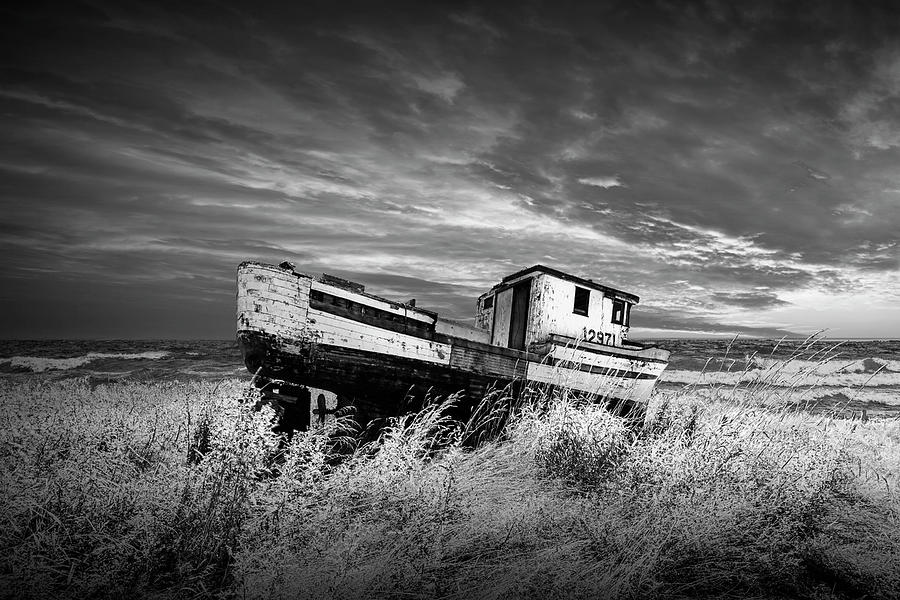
532 305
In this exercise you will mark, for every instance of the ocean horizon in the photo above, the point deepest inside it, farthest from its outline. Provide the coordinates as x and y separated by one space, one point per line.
823 374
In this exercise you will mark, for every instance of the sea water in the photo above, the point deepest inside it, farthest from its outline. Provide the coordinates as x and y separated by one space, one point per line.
820 374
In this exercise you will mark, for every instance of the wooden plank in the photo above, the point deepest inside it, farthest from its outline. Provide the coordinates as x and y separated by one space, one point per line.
486 363
340 282
368 300
651 354
462 330
340 331
576 356
258 277
502 311
291 290
362 313
516 354
377 383
384 346
283 309
275 324
484 317
272 300
579 380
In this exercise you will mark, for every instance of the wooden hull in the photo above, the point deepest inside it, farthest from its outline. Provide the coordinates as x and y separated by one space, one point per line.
377 385
385 358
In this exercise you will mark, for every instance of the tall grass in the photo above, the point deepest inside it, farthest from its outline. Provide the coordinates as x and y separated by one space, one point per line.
182 490
125 489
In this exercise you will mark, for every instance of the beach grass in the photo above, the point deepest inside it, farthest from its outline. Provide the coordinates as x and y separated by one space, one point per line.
181 490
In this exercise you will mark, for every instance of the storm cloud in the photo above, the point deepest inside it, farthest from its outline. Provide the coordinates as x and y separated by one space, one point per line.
731 164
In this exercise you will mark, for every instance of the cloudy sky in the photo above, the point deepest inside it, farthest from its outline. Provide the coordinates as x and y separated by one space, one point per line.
738 168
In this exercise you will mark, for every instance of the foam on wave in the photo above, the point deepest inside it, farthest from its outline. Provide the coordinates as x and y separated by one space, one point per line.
863 396
827 367
819 398
39 364
868 372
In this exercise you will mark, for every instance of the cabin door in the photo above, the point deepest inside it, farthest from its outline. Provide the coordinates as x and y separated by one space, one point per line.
518 320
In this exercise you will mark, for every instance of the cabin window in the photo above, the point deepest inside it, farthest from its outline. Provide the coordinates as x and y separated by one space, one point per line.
582 298
620 312
487 303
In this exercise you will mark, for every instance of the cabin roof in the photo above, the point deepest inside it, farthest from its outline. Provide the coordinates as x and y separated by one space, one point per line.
561 275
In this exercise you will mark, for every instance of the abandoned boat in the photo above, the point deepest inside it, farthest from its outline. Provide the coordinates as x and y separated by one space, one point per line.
537 327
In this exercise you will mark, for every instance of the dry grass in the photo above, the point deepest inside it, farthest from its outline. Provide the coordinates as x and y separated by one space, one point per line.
106 494
181 491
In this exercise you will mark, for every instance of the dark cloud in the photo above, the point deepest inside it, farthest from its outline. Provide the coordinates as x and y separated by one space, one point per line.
699 326
728 162
753 300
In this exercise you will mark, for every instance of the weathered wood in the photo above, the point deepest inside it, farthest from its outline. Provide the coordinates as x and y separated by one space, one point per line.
381 385
370 315
502 315
649 353
272 299
592 383
557 315
485 362
342 283
386 355
374 301
557 274
336 330
462 330
519 320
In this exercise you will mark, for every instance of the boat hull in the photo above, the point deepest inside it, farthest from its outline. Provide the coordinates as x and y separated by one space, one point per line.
385 358
378 385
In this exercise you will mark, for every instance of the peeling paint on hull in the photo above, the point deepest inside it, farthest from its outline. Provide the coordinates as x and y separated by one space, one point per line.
382 355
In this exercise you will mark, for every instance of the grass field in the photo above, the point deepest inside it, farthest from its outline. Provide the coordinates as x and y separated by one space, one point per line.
181 490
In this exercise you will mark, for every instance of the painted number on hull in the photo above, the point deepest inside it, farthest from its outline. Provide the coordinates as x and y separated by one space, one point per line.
598 337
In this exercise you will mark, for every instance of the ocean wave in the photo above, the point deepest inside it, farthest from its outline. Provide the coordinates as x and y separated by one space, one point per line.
786 377
215 371
838 400
834 372
867 365
861 396
39 364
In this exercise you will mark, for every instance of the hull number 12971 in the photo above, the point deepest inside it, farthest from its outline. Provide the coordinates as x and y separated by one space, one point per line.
598 337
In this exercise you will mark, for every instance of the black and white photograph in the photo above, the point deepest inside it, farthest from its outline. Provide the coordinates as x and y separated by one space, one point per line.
450 300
